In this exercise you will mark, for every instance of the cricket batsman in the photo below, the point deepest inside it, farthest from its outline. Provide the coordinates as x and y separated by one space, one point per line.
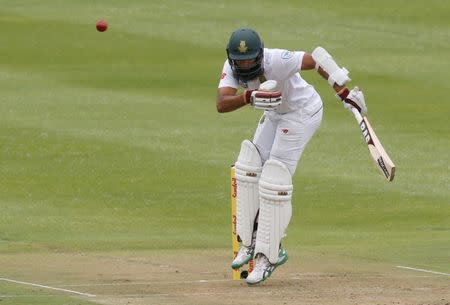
271 81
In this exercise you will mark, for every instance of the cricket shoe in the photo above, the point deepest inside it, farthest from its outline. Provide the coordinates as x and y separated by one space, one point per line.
263 268
244 255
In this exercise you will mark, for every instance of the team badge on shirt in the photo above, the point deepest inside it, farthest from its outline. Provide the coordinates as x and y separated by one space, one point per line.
243 83
287 54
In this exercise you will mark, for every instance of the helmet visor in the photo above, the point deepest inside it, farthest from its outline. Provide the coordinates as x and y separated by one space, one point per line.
246 56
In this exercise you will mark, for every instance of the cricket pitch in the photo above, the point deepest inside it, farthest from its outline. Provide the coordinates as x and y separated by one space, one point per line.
203 277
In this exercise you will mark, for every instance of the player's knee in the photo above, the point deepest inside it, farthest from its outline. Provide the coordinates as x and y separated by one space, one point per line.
276 181
291 165
249 155
249 163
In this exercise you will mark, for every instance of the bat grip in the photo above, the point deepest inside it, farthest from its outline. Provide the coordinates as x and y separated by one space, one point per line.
357 115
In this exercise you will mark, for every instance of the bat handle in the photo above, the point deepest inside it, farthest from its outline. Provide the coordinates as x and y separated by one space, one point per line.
357 115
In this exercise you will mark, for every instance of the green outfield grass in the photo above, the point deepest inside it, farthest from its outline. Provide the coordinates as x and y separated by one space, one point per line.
111 141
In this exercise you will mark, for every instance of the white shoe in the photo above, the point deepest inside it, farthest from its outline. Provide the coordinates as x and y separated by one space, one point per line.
244 255
263 268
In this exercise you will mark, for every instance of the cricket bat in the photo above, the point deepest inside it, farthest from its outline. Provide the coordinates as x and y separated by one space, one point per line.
377 152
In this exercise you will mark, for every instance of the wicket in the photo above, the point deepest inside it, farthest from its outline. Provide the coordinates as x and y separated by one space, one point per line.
237 274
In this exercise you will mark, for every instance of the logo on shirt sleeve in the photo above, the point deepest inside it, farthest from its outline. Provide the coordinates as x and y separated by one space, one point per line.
287 54
223 75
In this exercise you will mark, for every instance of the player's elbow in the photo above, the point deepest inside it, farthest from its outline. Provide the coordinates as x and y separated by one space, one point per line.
220 106
220 109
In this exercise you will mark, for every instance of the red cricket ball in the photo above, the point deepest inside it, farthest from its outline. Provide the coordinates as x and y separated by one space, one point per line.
101 25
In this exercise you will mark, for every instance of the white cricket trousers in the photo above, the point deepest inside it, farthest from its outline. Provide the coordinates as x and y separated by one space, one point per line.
283 137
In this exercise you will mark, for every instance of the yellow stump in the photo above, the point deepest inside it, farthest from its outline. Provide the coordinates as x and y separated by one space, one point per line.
233 187
236 274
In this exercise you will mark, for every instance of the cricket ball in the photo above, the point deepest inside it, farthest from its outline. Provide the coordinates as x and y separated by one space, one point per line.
101 25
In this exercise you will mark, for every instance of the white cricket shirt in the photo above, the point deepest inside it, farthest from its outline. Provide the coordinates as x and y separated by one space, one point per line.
282 66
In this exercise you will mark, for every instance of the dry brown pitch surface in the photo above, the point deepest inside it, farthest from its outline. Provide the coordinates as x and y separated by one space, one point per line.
202 277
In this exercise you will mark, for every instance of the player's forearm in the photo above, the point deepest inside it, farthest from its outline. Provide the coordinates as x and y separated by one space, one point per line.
227 103
325 65
338 88
325 75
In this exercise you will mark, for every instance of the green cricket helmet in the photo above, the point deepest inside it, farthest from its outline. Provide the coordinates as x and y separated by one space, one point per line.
245 44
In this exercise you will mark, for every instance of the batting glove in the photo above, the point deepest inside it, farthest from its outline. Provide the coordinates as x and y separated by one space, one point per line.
353 99
266 100
266 97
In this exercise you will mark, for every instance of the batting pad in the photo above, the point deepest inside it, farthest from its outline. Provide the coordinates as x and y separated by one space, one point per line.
275 211
247 171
